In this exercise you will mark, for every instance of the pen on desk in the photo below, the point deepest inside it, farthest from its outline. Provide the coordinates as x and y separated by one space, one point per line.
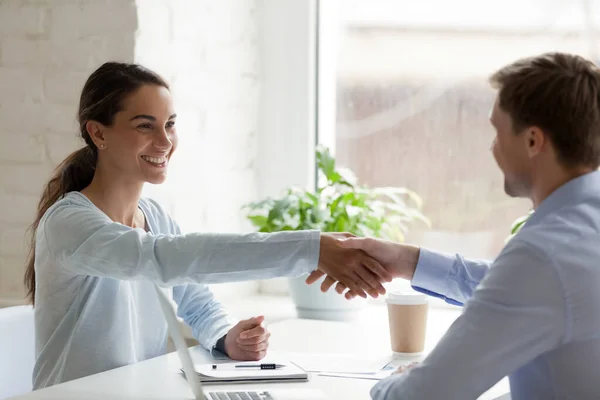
257 366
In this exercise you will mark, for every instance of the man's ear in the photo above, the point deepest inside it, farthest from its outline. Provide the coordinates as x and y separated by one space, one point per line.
535 140
96 131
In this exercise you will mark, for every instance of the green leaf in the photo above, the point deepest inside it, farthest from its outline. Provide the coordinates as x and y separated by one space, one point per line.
344 182
259 204
279 207
258 220
373 223
519 222
340 201
313 198
341 225
326 163
334 177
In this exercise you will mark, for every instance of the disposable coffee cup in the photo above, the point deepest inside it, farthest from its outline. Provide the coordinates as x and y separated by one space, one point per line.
407 311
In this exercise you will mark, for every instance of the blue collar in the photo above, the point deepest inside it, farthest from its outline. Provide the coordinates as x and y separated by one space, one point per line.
573 191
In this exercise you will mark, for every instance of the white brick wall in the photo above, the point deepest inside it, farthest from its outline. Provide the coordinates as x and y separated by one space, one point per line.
19 19
206 49
47 48
21 84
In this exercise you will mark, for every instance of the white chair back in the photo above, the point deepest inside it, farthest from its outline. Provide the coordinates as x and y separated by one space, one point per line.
17 350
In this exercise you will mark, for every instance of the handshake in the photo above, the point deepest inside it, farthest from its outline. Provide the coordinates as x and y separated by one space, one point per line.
359 266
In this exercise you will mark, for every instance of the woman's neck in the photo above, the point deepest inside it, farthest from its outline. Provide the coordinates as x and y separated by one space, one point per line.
116 197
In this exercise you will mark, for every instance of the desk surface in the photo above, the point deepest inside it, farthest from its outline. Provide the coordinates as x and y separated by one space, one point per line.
159 378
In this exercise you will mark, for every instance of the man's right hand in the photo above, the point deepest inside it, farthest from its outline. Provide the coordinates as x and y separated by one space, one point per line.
399 260
350 266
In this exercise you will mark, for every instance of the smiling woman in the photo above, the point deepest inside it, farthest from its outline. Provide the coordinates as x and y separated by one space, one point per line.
160 159
98 247
140 141
103 96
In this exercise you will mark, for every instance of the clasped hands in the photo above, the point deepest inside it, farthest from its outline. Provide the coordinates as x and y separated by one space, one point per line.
362 265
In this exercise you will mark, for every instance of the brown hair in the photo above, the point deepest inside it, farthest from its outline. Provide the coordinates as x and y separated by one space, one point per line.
101 98
559 93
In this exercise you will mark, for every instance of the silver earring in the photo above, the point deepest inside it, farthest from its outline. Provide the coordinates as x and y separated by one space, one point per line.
101 146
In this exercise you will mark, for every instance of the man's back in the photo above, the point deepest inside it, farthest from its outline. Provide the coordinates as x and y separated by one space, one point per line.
567 231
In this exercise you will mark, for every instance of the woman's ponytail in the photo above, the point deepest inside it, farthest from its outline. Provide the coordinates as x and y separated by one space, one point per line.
75 173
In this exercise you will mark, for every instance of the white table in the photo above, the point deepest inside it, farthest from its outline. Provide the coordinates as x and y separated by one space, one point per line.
158 378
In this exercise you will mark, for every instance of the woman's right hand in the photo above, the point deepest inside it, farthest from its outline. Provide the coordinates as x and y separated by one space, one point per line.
353 268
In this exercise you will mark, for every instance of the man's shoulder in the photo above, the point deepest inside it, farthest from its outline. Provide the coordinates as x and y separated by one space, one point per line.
566 240
567 226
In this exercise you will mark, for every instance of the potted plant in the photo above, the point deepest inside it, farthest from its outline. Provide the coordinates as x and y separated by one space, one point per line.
338 204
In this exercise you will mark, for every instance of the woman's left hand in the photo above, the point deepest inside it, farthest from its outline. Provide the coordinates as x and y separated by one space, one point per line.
248 340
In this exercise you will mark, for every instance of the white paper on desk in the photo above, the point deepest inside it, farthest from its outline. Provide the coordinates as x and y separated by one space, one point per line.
339 363
376 376
228 372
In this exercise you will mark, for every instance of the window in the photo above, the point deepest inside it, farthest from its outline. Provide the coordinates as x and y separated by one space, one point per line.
404 101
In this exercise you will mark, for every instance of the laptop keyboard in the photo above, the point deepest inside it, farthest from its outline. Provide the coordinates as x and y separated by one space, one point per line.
240 396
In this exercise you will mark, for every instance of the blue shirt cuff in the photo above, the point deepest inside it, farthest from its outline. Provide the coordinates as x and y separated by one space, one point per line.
432 274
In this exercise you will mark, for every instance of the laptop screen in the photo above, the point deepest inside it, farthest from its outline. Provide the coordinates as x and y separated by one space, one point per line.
182 349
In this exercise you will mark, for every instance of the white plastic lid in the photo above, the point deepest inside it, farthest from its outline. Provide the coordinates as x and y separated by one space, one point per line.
407 297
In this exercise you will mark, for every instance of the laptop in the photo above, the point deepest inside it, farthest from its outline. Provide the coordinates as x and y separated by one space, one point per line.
190 373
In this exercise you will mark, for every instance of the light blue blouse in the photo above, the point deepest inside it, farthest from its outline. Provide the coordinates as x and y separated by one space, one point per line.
95 306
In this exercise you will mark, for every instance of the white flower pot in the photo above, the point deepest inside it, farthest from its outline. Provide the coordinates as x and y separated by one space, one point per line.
311 303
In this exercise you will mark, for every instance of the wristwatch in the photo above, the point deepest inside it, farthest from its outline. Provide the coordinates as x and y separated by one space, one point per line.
221 345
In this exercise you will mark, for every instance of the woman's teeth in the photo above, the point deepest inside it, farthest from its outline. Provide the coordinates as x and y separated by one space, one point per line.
155 160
